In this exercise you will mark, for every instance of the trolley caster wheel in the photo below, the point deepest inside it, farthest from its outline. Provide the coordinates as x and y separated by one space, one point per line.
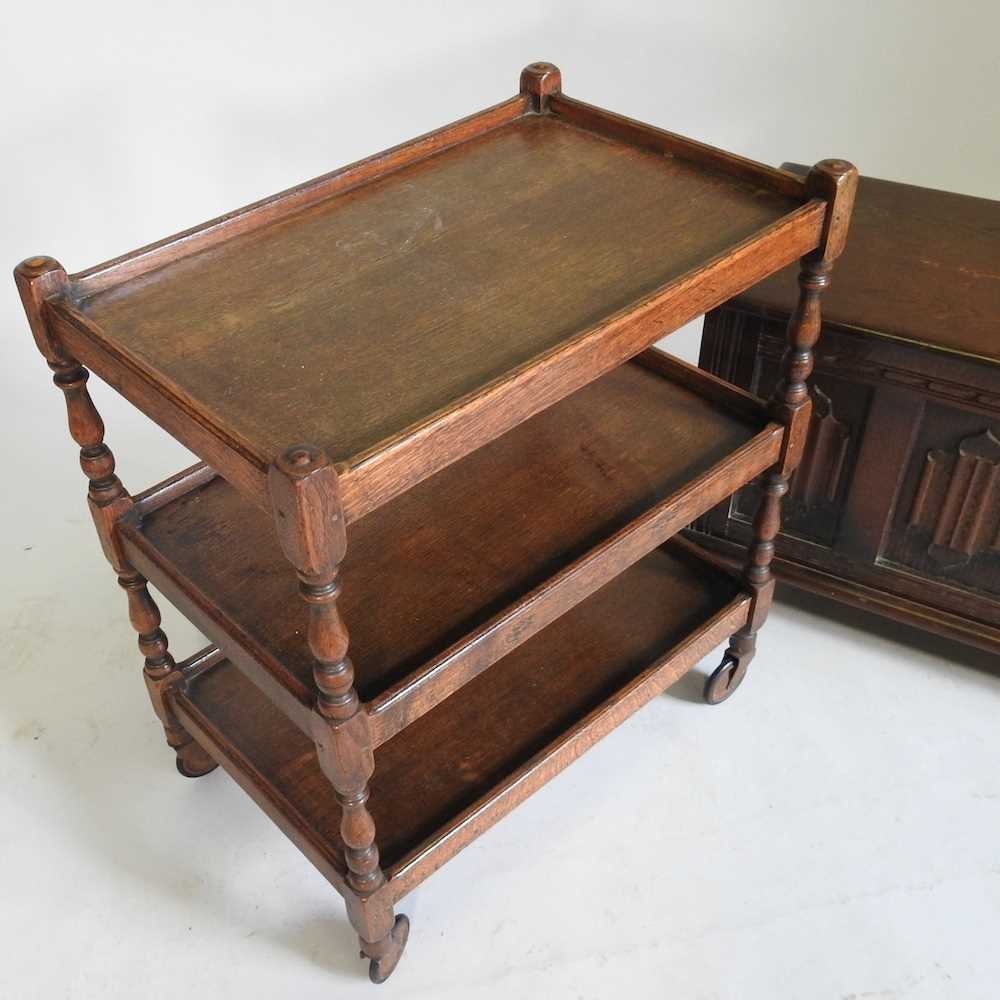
726 678
193 762
389 950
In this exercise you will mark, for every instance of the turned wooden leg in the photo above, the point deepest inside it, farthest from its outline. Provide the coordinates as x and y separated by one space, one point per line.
108 501
728 676
305 495
39 279
836 182
161 674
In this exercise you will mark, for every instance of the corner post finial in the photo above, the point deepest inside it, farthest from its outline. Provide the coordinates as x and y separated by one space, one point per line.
836 182
38 279
540 80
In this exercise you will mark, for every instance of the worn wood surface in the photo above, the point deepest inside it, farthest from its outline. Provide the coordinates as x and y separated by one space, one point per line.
485 309
262 213
407 380
455 755
577 493
448 263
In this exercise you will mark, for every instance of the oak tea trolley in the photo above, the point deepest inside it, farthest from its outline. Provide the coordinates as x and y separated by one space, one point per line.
428 414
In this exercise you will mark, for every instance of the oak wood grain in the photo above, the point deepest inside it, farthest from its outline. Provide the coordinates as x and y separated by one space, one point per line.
459 313
427 536
448 577
507 722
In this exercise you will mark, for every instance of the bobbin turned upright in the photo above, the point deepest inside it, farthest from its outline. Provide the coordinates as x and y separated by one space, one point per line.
41 280
310 525
836 182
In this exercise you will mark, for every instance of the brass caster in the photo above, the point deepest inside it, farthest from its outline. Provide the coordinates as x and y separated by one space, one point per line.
193 762
390 950
726 678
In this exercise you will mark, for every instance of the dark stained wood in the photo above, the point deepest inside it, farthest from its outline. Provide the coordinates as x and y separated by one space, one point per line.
611 651
109 501
310 528
407 384
845 586
476 332
406 256
922 266
540 81
286 203
623 129
906 519
481 417
40 280
836 181
196 664
223 451
516 533
173 488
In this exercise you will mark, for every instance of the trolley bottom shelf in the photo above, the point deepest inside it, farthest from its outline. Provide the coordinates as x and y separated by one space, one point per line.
455 771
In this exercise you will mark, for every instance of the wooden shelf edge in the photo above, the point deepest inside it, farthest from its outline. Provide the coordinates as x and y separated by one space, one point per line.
233 458
707 385
176 486
450 669
201 662
263 780
260 668
411 870
399 463
295 199
283 204
658 140
477 651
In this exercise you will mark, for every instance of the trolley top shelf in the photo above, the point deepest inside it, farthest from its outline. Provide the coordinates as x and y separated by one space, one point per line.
405 310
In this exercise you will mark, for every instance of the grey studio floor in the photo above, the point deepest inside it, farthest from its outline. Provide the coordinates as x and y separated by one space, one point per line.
830 832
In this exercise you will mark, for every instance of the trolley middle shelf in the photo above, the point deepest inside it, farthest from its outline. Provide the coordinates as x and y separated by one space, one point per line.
463 765
451 576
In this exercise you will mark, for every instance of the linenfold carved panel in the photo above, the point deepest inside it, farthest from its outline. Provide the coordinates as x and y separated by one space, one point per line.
958 499
815 499
917 513
817 480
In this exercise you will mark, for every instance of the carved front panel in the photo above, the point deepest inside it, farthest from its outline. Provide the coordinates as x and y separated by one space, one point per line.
958 500
947 521
820 477
812 509
899 489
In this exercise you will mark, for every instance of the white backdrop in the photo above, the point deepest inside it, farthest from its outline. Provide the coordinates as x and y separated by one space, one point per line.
122 123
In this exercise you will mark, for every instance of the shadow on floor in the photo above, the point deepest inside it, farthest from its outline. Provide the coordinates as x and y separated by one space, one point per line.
886 628
691 687
947 652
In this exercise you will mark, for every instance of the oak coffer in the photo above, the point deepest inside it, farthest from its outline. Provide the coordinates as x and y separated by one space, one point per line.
896 505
